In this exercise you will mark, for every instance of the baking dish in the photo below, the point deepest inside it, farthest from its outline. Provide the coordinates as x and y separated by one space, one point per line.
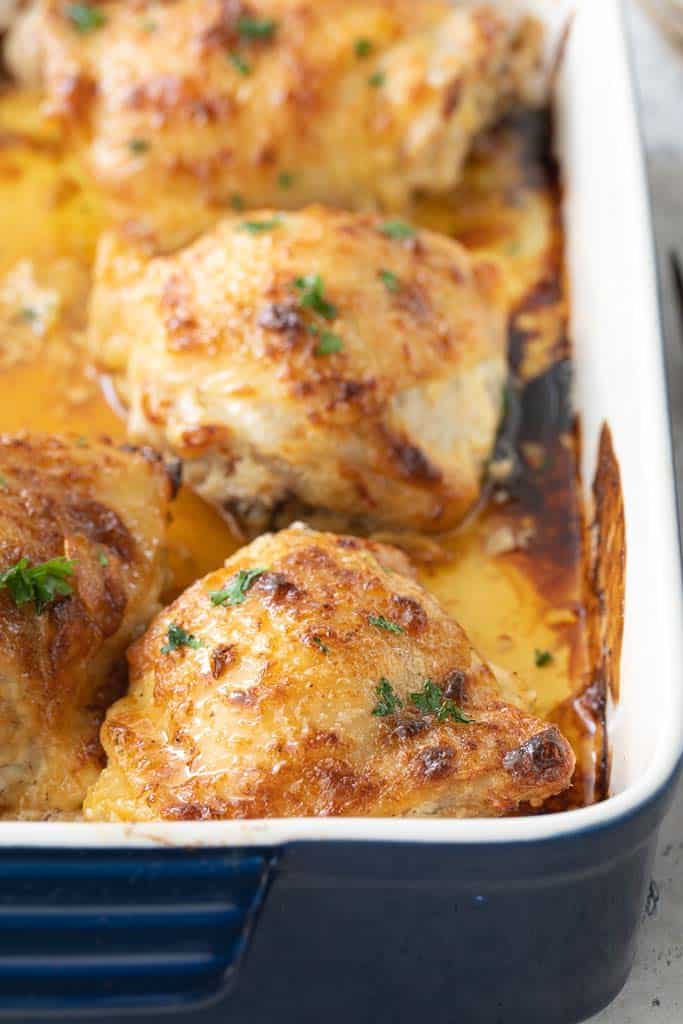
489 920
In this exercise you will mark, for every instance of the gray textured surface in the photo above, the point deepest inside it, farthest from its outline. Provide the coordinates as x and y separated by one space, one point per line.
654 991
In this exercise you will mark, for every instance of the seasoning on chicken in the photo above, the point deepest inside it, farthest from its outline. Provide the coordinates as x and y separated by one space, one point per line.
81 541
274 102
318 359
313 676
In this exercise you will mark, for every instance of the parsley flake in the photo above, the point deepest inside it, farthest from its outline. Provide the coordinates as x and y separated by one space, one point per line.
236 202
449 709
236 590
363 47
285 179
431 701
138 146
428 699
103 559
377 80
40 583
239 63
320 645
3 483
29 314
388 701
85 18
542 658
329 343
256 28
257 227
397 229
150 25
312 295
386 624
389 280
179 637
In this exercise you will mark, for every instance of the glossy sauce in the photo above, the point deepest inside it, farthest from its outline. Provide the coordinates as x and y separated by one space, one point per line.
514 575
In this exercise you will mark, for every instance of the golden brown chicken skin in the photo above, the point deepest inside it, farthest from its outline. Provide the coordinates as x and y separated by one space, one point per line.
275 102
313 676
334 360
81 537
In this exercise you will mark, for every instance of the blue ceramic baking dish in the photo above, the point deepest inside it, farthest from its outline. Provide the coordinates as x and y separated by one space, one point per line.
507 921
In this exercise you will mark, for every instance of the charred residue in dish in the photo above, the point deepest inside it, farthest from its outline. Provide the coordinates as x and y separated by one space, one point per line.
517 576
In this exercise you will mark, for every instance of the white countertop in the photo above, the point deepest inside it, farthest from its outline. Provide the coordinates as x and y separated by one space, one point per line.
654 992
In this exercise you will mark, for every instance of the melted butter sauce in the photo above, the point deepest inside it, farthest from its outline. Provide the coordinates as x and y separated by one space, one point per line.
514 575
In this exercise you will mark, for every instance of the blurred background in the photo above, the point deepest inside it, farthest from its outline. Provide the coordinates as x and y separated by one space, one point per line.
654 991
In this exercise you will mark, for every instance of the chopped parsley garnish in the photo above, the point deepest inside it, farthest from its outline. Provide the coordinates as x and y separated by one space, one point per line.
285 179
236 202
239 63
377 79
236 590
150 25
40 583
179 637
329 343
449 709
431 701
255 28
363 47
257 227
428 699
382 623
29 314
85 17
389 280
388 702
103 559
397 229
320 645
312 295
138 146
3 483
542 658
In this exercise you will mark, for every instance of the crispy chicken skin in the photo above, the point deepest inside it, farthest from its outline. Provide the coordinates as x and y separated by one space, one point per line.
386 414
272 706
104 509
277 102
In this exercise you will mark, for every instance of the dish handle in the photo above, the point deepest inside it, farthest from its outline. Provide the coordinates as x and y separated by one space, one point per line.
113 930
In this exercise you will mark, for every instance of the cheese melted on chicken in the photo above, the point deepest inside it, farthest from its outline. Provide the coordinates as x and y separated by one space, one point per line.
312 676
333 360
274 102
61 660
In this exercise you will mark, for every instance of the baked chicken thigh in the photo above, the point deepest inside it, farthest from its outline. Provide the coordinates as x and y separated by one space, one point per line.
313 676
81 537
314 359
274 102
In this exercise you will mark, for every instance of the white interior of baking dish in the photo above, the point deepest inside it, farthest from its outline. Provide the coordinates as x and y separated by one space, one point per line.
619 378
